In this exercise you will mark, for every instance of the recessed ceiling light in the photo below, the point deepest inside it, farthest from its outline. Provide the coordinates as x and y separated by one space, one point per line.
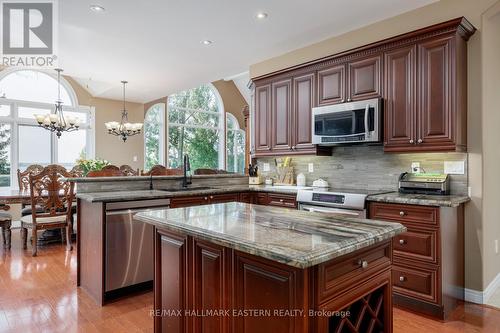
261 15
206 42
97 8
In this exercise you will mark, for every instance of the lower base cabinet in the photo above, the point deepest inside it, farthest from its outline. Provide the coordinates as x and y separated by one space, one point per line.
204 287
428 271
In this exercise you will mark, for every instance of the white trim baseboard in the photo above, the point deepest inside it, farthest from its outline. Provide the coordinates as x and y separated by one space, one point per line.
482 297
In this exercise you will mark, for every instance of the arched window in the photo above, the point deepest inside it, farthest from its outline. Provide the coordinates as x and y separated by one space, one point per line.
235 145
154 136
24 93
196 128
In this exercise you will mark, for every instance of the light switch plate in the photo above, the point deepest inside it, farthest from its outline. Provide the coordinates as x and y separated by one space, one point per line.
454 167
415 167
134 159
266 167
310 167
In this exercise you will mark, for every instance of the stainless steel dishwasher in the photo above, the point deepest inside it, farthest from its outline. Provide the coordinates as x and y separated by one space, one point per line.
129 244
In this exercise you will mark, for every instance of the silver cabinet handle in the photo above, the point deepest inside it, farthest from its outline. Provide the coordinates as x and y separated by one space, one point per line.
402 242
211 197
420 141
342 101
206 198
293 147
363 263
281 200
411 141
349 99
402 278
402 213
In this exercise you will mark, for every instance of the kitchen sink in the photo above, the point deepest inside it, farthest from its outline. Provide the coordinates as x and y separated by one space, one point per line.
194 188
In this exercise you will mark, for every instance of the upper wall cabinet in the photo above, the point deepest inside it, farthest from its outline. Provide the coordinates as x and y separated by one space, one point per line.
421 76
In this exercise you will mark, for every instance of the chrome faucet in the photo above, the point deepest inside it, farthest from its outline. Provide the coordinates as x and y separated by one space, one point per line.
186 169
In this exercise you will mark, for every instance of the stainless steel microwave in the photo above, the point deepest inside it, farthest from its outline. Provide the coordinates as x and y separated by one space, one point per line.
353 122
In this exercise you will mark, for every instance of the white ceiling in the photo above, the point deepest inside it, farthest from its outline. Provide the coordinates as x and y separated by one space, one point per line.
155 44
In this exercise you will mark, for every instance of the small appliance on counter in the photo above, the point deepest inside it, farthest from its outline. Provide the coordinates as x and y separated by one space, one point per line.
320 183
424 183
301 179
253 176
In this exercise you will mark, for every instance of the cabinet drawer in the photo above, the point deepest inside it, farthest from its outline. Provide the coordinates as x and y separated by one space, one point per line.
420 283
188 201
220 198
404 213
246 197
262 199
281 200
338 274
417 244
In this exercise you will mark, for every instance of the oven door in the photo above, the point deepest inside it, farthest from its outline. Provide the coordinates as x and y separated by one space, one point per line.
347 123
334 211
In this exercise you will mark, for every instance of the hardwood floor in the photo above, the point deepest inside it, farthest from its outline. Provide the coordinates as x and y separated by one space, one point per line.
40 295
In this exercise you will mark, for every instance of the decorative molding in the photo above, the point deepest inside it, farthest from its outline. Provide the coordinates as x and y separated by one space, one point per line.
459 25
482 297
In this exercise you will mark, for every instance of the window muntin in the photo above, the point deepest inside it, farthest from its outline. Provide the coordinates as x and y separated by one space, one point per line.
18 115
196 128
235 145
154 136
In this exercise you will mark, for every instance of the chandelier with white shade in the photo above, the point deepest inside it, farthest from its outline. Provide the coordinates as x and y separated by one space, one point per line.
55 121
124 128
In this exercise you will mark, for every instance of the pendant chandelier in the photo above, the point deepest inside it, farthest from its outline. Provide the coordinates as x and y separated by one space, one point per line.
124 128
55 121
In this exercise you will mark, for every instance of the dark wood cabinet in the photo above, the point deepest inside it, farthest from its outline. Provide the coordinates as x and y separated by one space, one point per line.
436 92
262 133
365 78
400 103
428 271
421 76
303 101
210 290
171 270
281 116
331 85
188 201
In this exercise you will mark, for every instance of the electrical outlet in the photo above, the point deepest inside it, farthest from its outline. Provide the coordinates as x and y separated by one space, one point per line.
454 167
266 167
310 167
469 191
134 159
496 246
415 167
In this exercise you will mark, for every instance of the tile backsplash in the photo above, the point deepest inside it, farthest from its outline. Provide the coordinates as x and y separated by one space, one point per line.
368 167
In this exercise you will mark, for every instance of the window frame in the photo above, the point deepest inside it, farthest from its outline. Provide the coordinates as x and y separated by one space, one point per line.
15 121
237 128
163 136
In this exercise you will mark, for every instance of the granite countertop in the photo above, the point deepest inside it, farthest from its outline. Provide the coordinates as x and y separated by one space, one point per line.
296 238
147 178
107 196
420 199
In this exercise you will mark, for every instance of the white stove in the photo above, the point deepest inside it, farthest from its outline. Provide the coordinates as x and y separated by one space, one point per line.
345 202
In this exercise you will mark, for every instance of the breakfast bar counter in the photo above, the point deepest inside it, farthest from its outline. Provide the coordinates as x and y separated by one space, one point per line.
237 267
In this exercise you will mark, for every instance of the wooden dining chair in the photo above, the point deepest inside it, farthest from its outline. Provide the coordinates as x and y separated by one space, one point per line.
77 171
23 176
210 172
160 170
5 224
55 197
127 170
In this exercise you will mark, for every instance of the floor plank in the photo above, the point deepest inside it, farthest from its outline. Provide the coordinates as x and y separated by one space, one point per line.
40 295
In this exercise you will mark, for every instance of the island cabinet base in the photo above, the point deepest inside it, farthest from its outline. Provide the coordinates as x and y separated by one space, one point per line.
204 287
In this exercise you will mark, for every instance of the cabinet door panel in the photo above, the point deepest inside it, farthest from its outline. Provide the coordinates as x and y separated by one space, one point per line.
436 93
281 115
171 252
209 288
188 201
365 78
262 118
220 198
303 92
264 287
400 101
331 85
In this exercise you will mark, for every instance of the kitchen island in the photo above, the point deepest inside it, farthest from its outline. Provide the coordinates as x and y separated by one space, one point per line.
237 267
